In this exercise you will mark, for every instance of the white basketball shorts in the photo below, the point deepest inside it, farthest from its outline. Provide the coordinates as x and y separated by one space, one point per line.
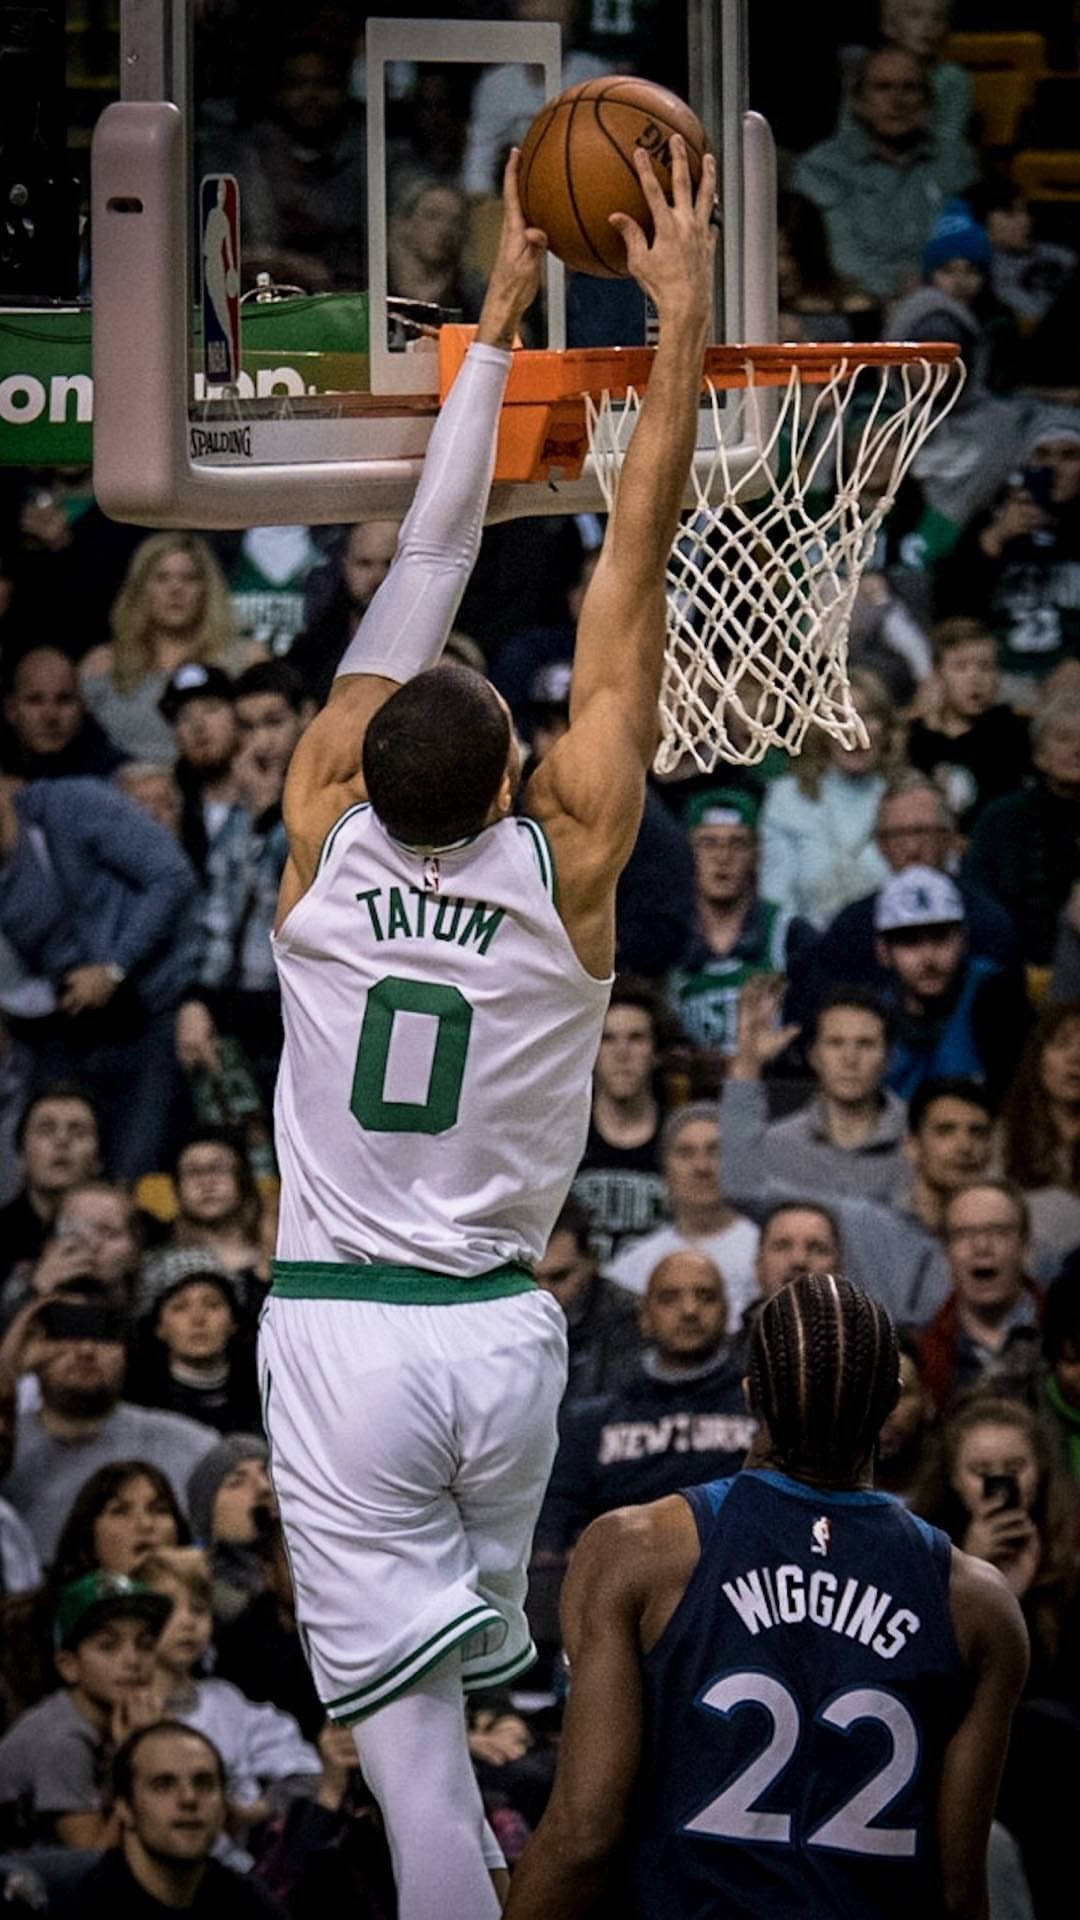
410 1451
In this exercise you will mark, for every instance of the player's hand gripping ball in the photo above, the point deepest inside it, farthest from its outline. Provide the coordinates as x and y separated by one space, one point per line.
577 165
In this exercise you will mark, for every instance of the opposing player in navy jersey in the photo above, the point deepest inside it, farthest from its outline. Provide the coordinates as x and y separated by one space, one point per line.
788 1695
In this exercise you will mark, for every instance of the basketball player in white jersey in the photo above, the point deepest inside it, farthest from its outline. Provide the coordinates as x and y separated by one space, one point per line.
445 969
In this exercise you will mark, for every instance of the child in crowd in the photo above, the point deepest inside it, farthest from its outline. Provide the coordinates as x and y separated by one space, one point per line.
1026 275
54 1759
194 1354
957 256
267 1760
971 453
963 737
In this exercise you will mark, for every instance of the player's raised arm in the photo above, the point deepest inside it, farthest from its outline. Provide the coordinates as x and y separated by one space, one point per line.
406 626
589 791
993 1641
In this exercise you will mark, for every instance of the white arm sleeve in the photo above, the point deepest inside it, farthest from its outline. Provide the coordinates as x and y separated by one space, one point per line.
405 628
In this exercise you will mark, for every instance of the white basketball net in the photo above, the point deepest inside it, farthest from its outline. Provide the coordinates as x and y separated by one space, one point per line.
763 575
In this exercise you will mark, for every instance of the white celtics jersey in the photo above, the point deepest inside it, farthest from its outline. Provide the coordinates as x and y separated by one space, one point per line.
440 1035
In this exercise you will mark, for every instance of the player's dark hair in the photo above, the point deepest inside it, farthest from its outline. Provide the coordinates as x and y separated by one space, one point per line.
859 999
824 1373
434 757
271 676
123 1766
947 1087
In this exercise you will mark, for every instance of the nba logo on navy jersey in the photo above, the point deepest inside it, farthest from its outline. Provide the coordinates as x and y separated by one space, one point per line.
219 230
820 1535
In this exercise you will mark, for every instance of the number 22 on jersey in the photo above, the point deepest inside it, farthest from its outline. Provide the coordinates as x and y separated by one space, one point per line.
733 1814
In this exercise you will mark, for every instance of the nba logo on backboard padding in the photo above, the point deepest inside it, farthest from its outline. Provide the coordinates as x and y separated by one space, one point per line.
219 230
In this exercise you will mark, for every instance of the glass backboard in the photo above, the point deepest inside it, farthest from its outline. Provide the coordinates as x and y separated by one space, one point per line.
284 214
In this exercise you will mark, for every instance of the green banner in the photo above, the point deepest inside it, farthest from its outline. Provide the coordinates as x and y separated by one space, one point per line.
316 344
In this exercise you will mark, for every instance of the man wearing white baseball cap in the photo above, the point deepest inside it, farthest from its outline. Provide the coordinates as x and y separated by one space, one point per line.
953 1014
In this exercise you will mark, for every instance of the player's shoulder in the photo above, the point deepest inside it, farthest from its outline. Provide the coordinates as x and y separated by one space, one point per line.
986 1615
630 1569
629 1544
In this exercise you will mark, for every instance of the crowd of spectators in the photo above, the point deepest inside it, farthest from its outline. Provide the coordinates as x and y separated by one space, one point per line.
845 1034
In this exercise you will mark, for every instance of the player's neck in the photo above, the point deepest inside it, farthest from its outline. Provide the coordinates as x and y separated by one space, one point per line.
625 1123
763 1458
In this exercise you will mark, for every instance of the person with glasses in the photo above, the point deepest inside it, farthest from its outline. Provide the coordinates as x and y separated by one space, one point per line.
987 1332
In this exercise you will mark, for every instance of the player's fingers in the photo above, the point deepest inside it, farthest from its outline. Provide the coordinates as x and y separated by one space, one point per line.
629 233
650 185
511 196
536 238
705 204
681 190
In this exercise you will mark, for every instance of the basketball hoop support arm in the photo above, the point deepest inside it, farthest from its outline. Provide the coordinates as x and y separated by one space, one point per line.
143 471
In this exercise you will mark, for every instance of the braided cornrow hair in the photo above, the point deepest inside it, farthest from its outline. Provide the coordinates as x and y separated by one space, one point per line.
824 1373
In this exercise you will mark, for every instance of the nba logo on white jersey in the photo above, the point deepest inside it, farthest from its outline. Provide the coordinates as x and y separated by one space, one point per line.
432 873
820 1535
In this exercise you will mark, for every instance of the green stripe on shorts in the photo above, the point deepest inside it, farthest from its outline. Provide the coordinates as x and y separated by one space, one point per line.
349 1707
396 1286
498 1676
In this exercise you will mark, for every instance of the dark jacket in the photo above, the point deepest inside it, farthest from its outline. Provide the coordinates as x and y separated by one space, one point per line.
111 1888
604 1338
974 1032
989 760
950 1362
1028 596
1025 853
654 900
647 1440
90 755
93 879
846 955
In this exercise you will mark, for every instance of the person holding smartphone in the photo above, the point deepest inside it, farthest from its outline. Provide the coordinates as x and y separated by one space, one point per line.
1018 567
998 1491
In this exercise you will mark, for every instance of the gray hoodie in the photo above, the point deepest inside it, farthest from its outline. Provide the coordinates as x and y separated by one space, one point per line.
967 459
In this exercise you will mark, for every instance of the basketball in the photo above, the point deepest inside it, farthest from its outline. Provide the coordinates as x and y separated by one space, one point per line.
577 165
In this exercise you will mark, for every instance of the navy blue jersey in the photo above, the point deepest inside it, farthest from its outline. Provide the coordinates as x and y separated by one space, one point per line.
797 1708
